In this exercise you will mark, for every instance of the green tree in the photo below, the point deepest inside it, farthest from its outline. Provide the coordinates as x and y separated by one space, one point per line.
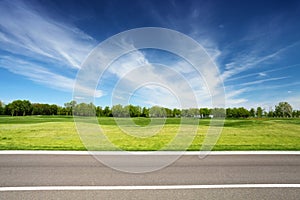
235 113
193 112
118 110
145 112
61 110
169 112
229 113
53 109
2 106
218 112
259 112
184 112
283 109
99 111
157 111
19 108
243 112
134 111
271 113
252 112
70 106
127 111
36 109
107 112
296 113
44 109
176 112
205 112
84 109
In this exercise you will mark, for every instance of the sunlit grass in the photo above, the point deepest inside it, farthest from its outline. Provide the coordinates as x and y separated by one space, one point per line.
59 133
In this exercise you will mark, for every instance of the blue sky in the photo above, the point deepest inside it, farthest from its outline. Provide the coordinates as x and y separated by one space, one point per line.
255 46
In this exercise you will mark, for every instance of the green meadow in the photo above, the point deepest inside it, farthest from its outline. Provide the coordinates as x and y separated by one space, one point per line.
60 133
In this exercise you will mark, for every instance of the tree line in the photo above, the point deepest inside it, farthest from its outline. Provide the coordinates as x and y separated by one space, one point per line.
25 107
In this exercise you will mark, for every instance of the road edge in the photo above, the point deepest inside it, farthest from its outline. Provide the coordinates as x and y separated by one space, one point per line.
217 153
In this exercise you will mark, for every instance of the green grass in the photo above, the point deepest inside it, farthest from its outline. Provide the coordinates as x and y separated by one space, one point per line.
59 133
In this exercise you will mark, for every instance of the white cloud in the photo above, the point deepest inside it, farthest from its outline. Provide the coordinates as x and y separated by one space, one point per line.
262 74
232 97
250 58
36 73
162 96
246 61
262 81
159 83
238 58
134 69
164 85
39 45
43 76
32 35
127 63
27 32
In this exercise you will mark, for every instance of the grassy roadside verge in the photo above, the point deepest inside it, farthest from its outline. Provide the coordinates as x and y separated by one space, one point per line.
59 133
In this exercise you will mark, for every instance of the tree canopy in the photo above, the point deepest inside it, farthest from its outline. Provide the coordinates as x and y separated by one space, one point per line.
284 109
25 107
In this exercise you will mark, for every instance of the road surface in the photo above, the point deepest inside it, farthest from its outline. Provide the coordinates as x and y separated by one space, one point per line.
61 176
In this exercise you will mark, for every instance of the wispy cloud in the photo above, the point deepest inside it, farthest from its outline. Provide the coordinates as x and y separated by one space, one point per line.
27 32
262 81
247 60
134 69
152 84
244 59
157 84
273 87
43 76
243 56
36 73
41 49
262 73
47 51
127 63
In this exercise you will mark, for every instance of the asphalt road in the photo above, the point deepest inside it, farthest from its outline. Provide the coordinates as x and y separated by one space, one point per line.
18 171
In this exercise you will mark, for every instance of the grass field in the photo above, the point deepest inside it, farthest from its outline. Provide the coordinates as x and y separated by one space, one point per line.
59 133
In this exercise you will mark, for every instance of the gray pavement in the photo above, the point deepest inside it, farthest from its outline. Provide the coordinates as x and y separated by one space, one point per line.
84 170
